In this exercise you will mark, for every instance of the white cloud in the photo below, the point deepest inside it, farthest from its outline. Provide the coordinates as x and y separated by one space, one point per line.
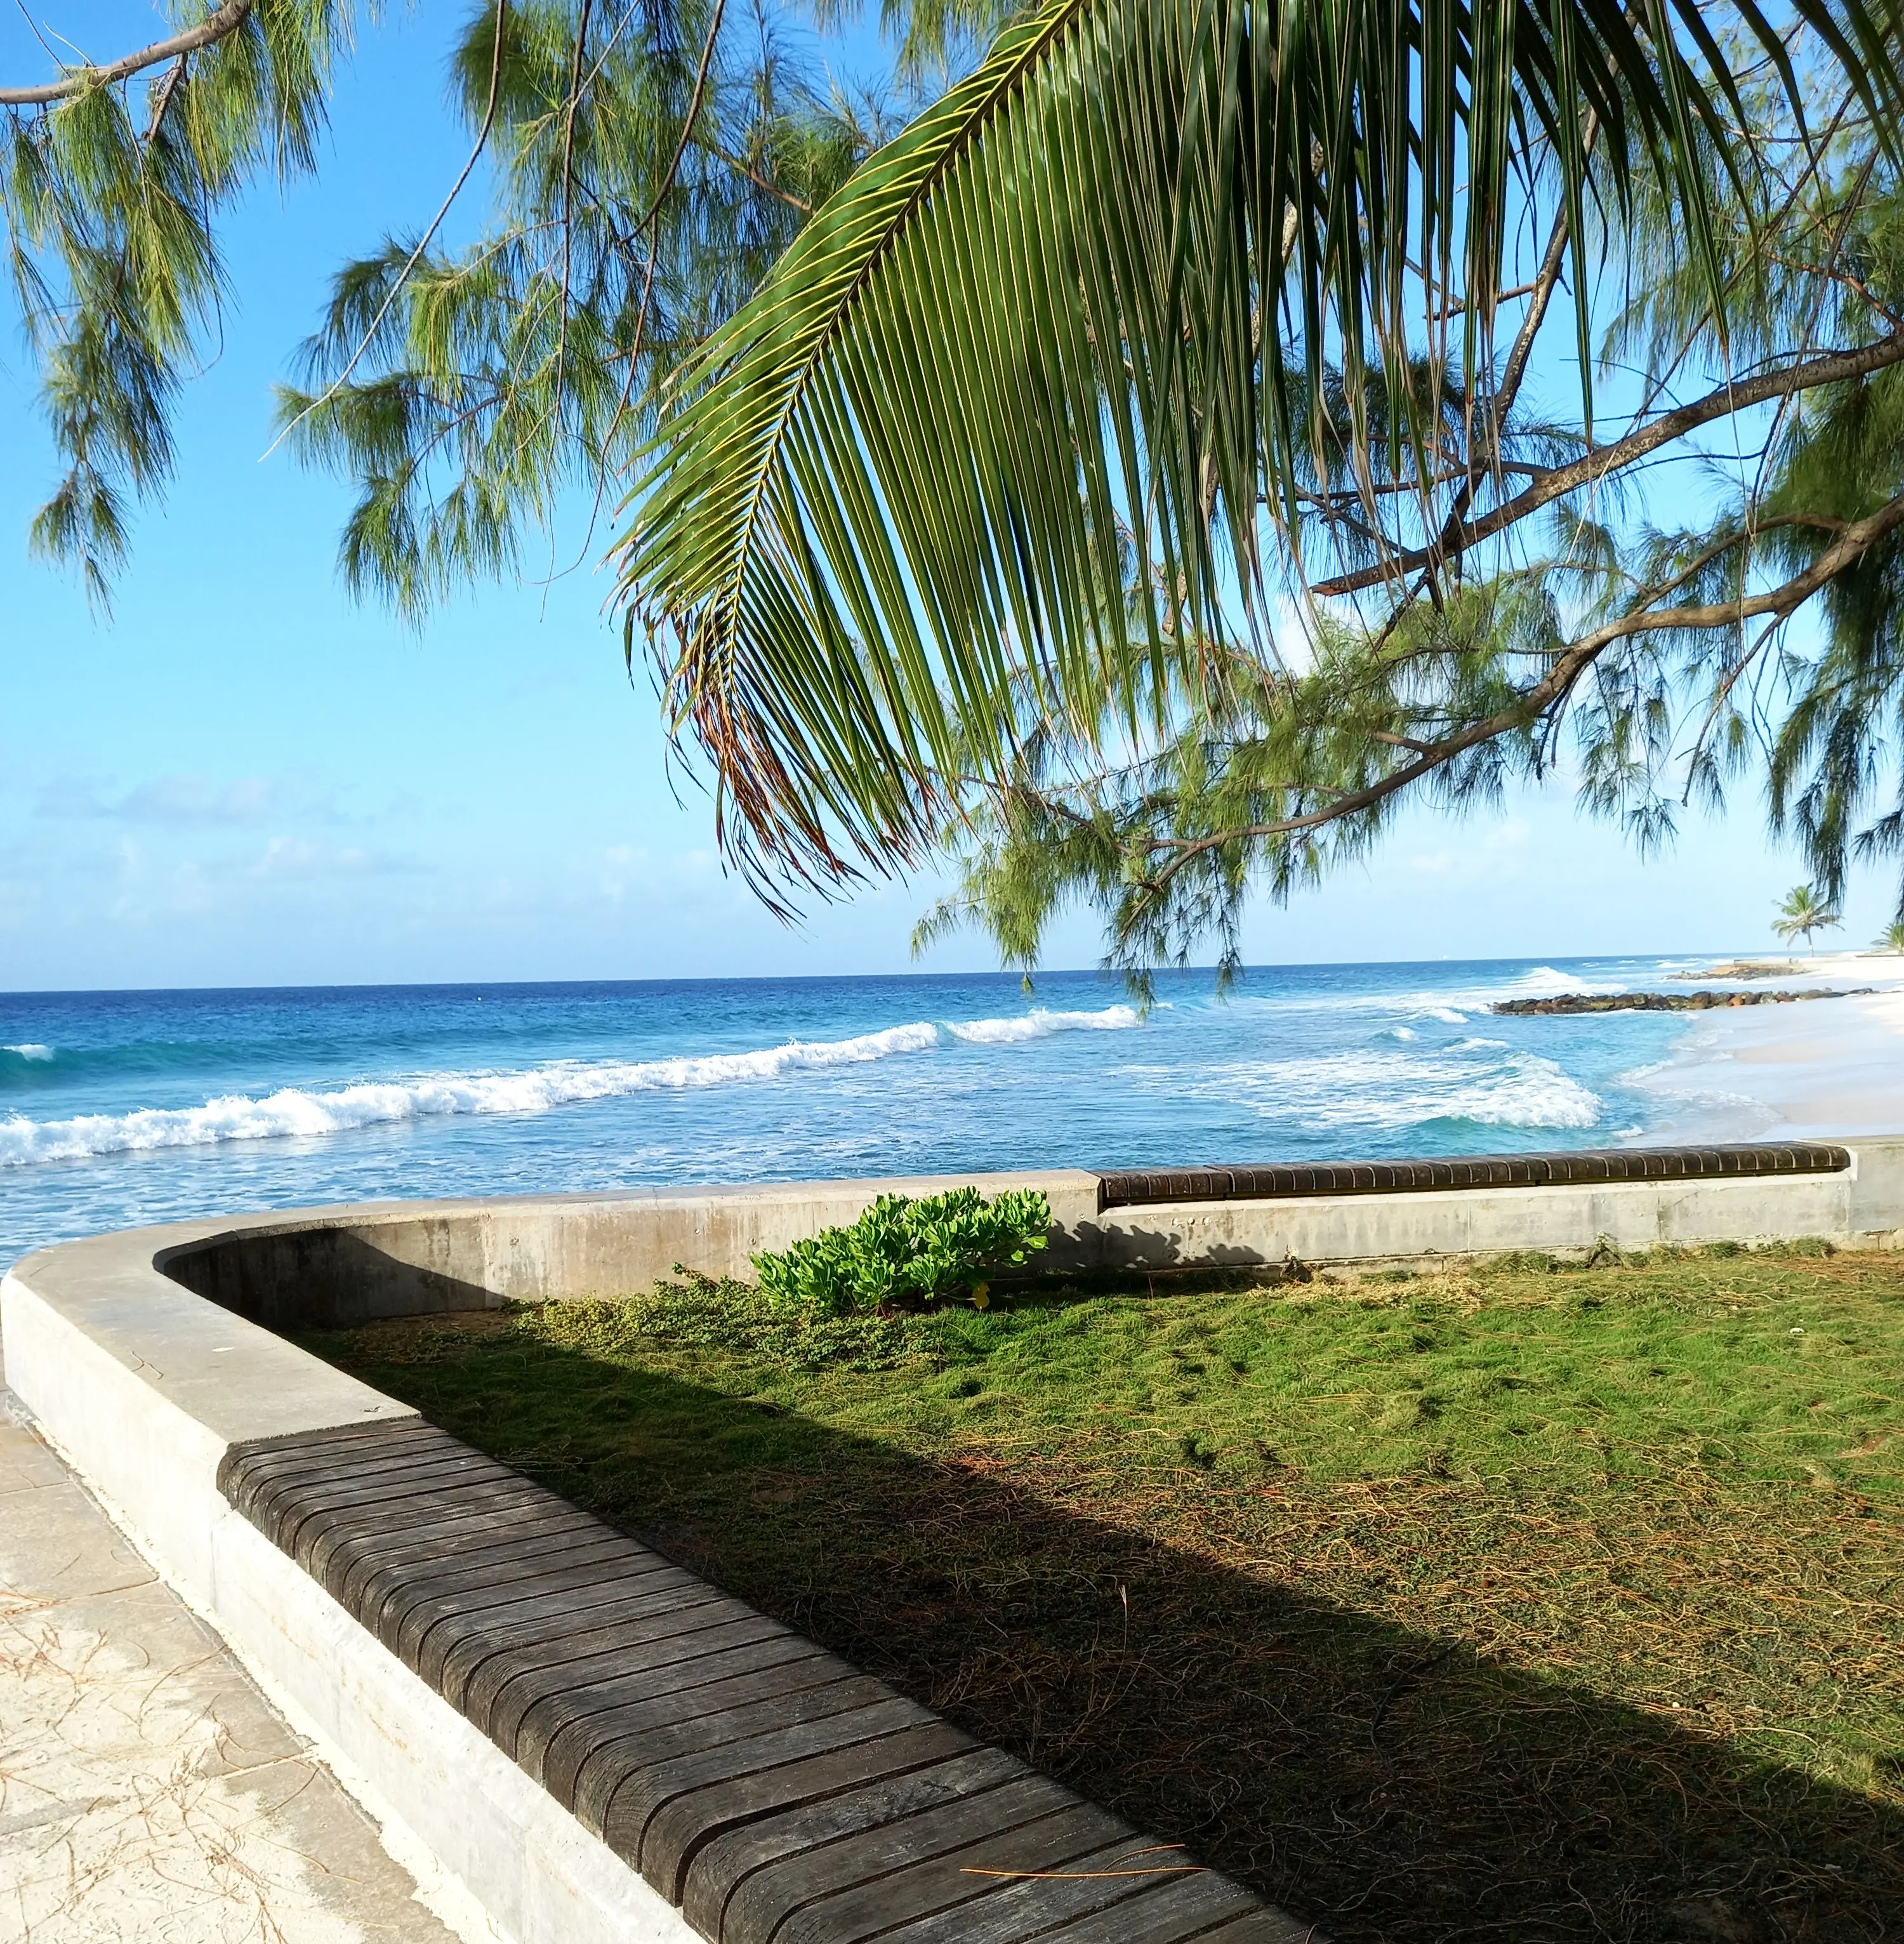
300 858
182 801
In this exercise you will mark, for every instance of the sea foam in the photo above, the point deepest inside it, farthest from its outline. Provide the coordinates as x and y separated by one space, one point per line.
1383 1091
1039 1024
292 1112
32 1050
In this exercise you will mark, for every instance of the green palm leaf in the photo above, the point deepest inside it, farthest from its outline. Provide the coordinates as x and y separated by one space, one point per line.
990 447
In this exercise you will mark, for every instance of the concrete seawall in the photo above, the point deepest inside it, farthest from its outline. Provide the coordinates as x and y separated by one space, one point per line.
343 1265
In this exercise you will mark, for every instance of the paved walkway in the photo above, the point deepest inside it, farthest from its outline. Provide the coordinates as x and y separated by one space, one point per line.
148 1791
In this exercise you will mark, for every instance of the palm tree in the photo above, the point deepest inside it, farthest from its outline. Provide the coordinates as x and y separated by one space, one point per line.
986 513
1802 913
1891 939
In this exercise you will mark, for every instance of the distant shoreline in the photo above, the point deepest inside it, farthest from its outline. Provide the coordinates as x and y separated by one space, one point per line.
1834 1068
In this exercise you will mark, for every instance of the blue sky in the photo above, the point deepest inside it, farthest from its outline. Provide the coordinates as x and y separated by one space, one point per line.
246 778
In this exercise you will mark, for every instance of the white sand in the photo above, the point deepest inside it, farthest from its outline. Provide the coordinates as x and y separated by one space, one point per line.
1826 1067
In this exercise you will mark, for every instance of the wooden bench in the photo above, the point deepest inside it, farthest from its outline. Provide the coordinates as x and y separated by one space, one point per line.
767 1788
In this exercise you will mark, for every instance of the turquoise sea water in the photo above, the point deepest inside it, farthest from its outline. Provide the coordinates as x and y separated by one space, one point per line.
122 1107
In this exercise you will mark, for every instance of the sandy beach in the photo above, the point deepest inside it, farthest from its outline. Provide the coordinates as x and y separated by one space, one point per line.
1831 1066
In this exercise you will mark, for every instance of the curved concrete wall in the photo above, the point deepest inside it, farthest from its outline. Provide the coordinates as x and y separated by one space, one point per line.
349 1264
145 1386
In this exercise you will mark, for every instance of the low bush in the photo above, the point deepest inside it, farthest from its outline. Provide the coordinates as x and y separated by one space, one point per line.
904 1253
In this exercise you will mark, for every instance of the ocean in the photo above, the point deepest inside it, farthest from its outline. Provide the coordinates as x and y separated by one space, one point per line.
118 1108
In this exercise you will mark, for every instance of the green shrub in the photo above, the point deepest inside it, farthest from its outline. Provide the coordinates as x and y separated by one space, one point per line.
903 1253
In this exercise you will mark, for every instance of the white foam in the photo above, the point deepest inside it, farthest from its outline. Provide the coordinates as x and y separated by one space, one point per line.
1398 1090
1547 982
1039 1022
295 1113
1454 1007
32 1050
1478 1046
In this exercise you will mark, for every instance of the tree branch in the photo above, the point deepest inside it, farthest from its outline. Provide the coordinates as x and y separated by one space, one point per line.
1571 663
162 103
758 180
215 27
390 296
1831 367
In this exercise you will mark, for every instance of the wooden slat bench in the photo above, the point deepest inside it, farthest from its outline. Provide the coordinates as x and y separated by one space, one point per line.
1278 1180
771 1790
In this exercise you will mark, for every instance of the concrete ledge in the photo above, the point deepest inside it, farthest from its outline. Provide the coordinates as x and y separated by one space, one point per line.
337 1265
116 1404
349 1264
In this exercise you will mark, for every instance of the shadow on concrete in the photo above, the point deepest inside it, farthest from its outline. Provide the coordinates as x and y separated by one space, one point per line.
1394 1786
313 1278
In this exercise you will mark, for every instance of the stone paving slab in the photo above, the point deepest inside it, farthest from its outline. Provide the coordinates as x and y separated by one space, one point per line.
148 1791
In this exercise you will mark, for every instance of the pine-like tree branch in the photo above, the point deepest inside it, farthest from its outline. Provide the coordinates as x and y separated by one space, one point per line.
215 27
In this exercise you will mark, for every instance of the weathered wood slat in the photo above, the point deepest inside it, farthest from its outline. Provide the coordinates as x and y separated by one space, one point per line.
873 1863
624 1797
1139 1187
855 1914
726 1861
1261 1926
341 1560
579 1647
770 1788
364 1451
498 1501
553 1743
1099 1882
425 1633
267 1494
489 1652
587 1688
283 1506
372 1442
801 1786
1173 1910
409 1613
396 1593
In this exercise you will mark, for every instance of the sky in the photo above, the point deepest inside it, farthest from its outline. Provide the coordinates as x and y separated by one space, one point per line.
248 779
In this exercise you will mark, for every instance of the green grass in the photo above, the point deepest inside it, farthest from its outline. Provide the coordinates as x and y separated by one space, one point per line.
1518 1604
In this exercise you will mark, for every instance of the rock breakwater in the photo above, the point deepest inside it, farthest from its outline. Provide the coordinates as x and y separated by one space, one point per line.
1663 1002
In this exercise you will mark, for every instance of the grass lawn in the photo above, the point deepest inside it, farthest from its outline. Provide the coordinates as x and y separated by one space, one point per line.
1519 1604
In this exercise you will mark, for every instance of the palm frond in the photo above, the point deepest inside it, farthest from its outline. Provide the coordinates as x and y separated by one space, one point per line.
1090 306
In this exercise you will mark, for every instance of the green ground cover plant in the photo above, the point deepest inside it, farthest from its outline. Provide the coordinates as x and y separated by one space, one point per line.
908 1252
1526 1602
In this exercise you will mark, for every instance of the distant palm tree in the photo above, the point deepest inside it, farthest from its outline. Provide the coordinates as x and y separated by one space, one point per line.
1891 939
1802 913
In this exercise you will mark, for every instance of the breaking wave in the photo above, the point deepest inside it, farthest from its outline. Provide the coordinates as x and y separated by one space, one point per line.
1040 1024
1381 1091
32 1050
295 1113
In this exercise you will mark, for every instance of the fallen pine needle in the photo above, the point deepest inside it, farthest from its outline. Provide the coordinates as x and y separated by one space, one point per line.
1086 1876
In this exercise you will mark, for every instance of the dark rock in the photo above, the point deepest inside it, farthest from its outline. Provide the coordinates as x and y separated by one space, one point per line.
1661 1002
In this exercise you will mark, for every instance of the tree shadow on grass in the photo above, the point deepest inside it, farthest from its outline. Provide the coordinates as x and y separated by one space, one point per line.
1388 1784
